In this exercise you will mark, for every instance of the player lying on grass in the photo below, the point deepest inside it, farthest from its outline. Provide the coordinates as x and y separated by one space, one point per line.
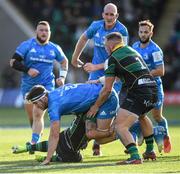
68 99
73 139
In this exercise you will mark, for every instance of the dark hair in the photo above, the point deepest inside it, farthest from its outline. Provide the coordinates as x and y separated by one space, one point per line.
148 23
36 93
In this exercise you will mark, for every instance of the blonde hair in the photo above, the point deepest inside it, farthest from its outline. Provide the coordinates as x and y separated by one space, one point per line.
46 23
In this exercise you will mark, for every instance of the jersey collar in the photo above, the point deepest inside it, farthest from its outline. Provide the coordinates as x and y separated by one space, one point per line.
118 46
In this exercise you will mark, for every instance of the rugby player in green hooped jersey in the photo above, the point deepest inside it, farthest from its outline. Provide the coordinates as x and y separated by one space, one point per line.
127 64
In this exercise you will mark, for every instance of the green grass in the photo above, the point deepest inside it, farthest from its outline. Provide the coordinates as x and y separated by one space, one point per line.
112 152
10 119
13 117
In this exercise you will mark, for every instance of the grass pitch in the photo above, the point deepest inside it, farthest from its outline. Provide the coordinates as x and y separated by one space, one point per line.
14 129
112 152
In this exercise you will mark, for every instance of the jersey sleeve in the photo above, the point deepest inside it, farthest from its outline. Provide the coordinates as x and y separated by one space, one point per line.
91 30
22 49
157 56
59 54
54 112
124 32
110 67
125 36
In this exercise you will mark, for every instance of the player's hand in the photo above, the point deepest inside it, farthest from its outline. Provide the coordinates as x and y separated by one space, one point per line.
33 72
92 111
77 63
60 81
93 81
89 67
45 162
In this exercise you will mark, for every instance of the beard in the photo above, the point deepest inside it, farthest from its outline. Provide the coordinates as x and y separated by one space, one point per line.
144 41
42 41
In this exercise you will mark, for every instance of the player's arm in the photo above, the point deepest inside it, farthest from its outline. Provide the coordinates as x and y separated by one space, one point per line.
159 71
159 63
62 72
89 67
76 62
16 63
53 141
104 94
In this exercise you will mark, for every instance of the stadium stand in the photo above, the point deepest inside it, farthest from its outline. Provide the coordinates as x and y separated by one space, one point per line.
68 19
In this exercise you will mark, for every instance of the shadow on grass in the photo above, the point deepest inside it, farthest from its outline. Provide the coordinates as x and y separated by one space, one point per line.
26 166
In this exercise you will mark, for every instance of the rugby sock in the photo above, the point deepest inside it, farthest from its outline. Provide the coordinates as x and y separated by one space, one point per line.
35 138
42 147
164 124
133 151
149 143
55 158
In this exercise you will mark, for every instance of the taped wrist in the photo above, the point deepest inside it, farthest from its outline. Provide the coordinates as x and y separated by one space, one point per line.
63 73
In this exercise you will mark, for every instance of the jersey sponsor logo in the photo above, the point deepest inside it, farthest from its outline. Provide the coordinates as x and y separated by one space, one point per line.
41 60
32 50
145 81
157 56
148 103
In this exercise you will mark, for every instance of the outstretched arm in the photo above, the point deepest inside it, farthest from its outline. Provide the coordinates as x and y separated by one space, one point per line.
104 94
53 141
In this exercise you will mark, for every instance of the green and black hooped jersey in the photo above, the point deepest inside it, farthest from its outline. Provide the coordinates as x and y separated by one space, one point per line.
127 64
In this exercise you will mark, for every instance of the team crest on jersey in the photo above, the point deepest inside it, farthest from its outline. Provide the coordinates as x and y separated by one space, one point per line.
52 53
145 56
32 50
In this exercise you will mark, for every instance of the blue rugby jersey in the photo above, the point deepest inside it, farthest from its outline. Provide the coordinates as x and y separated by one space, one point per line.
152 55
97 32
40 57
77 98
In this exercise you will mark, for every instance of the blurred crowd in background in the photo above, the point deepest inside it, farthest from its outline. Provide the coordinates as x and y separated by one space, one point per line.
70 18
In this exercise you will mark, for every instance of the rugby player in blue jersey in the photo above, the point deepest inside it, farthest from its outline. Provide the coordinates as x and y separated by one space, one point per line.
35 58
97 31
153 56
73 98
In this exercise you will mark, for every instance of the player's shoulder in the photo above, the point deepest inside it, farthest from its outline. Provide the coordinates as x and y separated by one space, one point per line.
135 44
54 46
154 46
98 22
121 27
118 23
28 41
